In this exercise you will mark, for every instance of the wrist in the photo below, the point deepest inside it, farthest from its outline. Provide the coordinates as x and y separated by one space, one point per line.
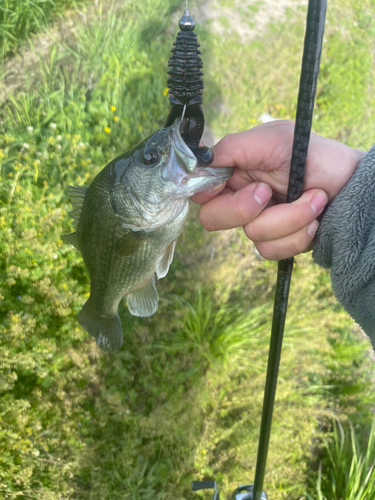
358 157
354 159
350 159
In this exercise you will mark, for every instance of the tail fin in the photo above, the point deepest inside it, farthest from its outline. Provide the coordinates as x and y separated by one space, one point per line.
106 330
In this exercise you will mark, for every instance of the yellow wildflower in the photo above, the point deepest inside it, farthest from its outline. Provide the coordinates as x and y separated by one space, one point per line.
140 128
115 118
165 91
113 108
107 130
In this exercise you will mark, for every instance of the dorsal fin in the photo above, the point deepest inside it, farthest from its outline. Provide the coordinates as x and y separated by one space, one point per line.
75 191
77 196
72 238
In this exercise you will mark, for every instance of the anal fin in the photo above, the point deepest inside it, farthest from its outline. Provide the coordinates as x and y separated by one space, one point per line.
144 300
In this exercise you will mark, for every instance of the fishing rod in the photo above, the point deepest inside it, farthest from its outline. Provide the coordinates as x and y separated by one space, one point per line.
312 50
185 88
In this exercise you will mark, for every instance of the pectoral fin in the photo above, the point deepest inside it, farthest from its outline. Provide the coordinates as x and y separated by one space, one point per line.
164 261
129 243
144 301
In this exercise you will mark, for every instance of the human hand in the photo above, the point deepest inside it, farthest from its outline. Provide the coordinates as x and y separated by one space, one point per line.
255 196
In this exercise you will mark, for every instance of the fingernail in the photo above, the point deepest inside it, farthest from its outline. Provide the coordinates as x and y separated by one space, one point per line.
216 188
262 194
318 202
311 230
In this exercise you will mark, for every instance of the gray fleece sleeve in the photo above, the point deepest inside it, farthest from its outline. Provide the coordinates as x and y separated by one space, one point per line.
345 243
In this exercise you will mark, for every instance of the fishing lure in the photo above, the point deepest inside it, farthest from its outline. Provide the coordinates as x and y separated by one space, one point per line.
185 85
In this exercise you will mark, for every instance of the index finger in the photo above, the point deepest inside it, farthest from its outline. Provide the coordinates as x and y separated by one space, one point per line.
266 147
263 148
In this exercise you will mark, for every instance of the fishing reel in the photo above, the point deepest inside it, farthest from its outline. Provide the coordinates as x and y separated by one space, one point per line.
244 492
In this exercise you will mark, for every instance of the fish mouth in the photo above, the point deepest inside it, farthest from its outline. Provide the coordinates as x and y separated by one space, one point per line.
191 177
180 178
184 155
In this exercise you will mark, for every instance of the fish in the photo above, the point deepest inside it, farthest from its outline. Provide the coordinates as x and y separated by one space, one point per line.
127 223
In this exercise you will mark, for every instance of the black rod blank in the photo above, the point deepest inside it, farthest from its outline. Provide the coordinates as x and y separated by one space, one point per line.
305 107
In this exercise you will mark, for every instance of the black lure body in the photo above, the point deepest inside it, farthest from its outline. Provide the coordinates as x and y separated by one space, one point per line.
185 85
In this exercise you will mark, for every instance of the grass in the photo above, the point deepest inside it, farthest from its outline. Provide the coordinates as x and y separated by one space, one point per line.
262 78
350 466
19 19
182 399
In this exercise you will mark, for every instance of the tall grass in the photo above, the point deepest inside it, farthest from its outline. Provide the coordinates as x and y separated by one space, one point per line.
349 466
214 333
20 18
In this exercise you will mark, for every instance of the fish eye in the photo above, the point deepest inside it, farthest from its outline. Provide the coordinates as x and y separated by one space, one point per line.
150 156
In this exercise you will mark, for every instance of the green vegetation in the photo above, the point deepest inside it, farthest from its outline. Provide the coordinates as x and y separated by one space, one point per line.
350 465
20 18
182 399
261 76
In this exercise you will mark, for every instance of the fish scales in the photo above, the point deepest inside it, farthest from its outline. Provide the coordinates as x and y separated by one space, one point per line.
128 222
112 275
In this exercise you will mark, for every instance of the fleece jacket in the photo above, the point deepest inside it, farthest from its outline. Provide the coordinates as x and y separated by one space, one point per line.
345 244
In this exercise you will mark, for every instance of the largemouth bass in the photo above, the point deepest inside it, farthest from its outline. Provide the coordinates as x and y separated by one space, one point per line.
127 223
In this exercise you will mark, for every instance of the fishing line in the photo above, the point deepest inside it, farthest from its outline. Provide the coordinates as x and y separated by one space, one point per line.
183 111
